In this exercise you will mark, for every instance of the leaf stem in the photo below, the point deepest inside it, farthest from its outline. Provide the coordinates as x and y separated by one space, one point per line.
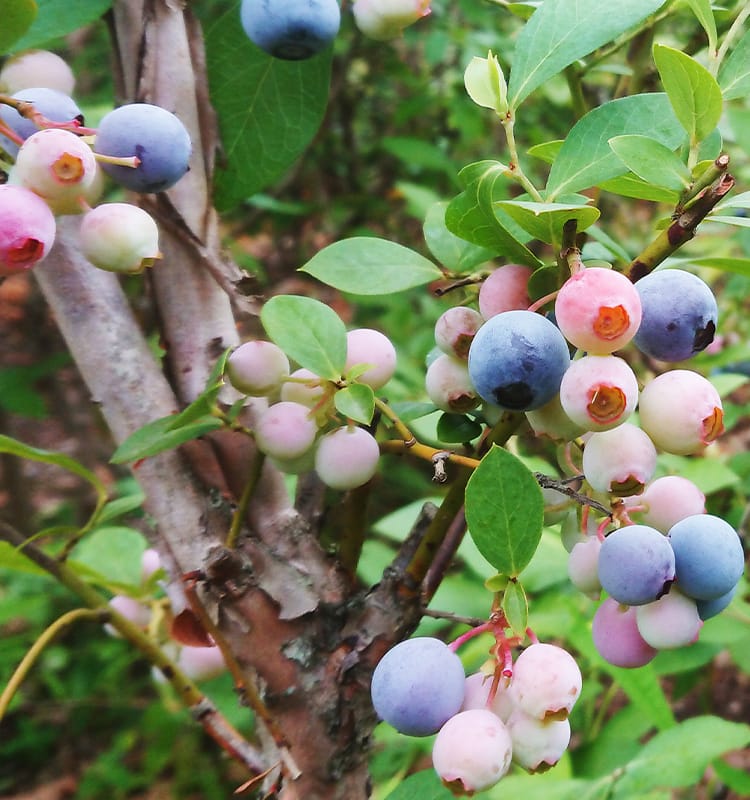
515 165
734 30
27 662
240 513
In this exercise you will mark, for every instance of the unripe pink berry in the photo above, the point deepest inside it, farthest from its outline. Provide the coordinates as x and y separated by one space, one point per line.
368 346
665 501
621 461
477 694
681 411
546 682
449 386
201 663
346 457
32 68
285 430
308 393
583 566
58 166
598 310
130 608
537 745
505 289
454 330
670 622
257 368
599 392
150 563
472 751
27 229
119 237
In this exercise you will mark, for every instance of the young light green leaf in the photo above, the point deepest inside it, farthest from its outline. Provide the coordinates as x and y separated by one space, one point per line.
547 151
15 448
692 90
734 75
651 161
544 221
356 402
120 506
504 511
485 83
13 558
632 186
454 253
679 756
268 112
160 435
17 17
704 15
114 553
516 608
740 222
472 214
308 331
367 265
586 159
562 31
740 266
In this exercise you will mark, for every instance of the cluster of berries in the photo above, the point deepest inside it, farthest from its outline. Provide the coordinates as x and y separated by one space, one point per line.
56 166
298 29
666 558
199 661
512 713
300 430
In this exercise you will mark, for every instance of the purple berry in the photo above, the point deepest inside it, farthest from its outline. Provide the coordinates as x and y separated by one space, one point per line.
152 134
50 103
679 315
517 360
708 556
616 637
418 685
636 565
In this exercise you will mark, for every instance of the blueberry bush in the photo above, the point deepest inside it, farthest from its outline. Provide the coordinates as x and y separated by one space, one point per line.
374 399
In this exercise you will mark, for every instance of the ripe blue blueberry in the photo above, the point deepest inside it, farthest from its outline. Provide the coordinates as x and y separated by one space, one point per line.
291 29
708 556
517 360
155 136
55 106
418 685
636 565
679 315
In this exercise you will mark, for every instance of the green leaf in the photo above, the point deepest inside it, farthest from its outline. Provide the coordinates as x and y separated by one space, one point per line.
17 17
704 15
734 75
545 221
367 265
547 151
631 186
586 159
562 31
692 90
15 448
454 428
679 756
736 779
114 553
740 222
485 83
58 18
268 109
504 511
356 402
454 253
740 266
424 785
120 507
160 435
472 214
516 608
308 331
651 161
13 558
